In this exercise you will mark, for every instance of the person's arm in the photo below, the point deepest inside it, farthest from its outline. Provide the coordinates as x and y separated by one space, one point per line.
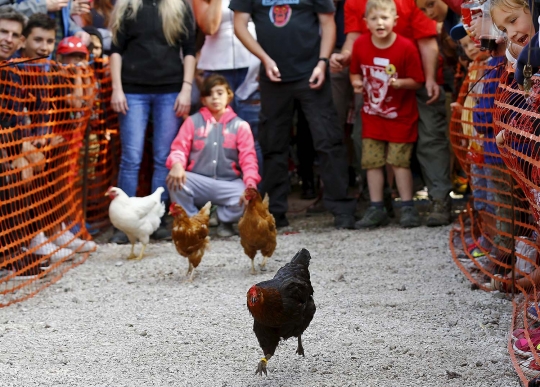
429 53
357 83
328 40
118 98
30 7
241 20
405 83
182 104
247 157
342 59
208 15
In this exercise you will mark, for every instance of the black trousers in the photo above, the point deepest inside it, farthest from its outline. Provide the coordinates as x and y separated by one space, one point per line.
277 111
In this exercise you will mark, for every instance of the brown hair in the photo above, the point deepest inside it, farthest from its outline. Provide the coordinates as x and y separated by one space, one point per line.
215 80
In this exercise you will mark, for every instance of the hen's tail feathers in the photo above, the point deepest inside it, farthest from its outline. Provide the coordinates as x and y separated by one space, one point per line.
302 257
157 197
206 209
266 201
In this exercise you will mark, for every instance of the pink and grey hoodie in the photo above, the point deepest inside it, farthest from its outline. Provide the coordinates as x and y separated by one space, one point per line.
221 150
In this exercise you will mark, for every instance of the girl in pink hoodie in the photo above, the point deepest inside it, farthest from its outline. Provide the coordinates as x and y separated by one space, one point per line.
213 157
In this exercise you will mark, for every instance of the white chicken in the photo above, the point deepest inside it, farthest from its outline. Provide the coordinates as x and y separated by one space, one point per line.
137 217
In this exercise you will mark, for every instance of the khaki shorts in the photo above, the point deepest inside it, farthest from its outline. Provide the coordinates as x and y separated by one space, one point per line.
376 154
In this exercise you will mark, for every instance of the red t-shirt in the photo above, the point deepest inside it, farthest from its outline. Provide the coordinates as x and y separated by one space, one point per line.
388 114
411 22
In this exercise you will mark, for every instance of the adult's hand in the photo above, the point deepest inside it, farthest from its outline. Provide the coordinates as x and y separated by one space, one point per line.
56 5
119 101
80 7
317 77
433 91
272 71
84 36
339 60
182 105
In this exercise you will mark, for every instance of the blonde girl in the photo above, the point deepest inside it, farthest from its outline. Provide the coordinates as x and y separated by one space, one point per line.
150 78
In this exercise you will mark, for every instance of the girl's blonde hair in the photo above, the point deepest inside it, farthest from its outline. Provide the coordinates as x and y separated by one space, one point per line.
512 4
171 11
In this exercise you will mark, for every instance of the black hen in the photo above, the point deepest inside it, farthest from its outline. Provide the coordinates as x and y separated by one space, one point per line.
282 307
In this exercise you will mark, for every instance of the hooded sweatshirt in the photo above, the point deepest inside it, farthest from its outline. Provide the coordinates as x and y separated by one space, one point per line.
223 150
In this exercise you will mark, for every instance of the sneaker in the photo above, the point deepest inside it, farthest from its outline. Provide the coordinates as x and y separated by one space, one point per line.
532 313
409 217
475 251
521 346
530 369
440 213
48 248
225 230
520 333
374 217
67 239
119 237
344 221
281 220
213 222
163 233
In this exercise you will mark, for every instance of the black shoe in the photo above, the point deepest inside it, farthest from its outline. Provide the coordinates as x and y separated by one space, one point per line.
119 237
316 208
163 233
344 221
308 194
225 230
281 220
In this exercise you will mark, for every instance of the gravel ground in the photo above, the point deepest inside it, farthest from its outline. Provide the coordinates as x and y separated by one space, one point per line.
392 310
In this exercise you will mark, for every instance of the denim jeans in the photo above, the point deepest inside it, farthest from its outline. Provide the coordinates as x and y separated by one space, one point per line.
248 110
133 135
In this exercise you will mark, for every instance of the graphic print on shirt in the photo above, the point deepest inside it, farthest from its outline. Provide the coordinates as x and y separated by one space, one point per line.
280 14
376 82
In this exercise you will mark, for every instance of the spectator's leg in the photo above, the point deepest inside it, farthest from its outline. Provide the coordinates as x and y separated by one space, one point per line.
478 186
433 153
166 126
306 154
277 110
226 194
132 136
328 142
249 110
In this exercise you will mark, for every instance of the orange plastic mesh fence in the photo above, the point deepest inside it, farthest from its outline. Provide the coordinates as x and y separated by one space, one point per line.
495 241
103 148
44 112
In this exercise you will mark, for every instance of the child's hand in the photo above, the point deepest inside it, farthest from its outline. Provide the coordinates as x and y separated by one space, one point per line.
456 107
176 177
500 138
394 82
358 86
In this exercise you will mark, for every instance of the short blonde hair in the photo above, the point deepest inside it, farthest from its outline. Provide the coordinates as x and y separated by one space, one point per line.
512 4
387 5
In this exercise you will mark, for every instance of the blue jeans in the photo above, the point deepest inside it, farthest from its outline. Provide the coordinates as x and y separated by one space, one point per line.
133 135
248 109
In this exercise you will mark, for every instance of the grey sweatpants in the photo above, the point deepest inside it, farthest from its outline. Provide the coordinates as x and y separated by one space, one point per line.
200 189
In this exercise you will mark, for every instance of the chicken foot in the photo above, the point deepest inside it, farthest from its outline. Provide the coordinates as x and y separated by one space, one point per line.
190 270
261 367
132 254
253 271
262 265
300 349
140 256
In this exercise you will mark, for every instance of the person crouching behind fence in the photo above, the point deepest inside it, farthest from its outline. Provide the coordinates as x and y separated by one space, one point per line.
386 67
213 157
472 139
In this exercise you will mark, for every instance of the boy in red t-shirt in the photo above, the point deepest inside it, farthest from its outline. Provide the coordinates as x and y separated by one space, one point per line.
386 67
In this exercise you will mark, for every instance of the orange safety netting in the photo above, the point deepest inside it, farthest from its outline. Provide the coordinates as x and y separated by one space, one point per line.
44 112
103 148
495 241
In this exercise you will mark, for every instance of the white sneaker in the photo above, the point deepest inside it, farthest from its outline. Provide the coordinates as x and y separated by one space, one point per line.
47 248
68 239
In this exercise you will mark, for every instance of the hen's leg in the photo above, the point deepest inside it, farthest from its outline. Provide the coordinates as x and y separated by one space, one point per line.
132 254
262 265
300 349
261 367
142 253
253 267
191 276
190 269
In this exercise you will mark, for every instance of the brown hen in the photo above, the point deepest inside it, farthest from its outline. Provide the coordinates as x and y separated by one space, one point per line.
190 235
257 228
